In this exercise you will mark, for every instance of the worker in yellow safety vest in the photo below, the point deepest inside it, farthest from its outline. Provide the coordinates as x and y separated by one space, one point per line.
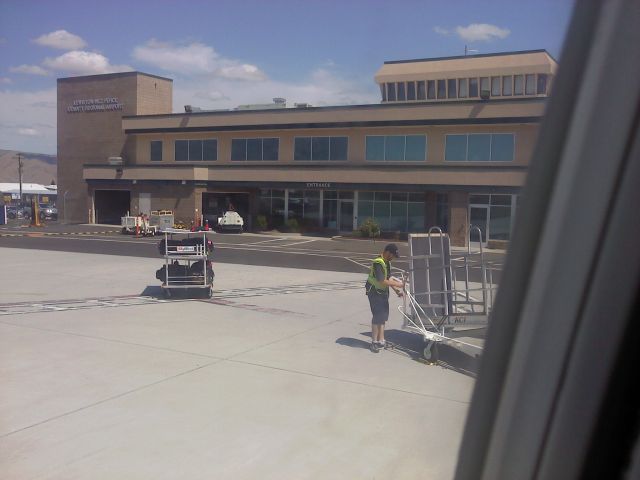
377 288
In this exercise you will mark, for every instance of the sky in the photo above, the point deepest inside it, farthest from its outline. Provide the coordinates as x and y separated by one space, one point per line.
226 53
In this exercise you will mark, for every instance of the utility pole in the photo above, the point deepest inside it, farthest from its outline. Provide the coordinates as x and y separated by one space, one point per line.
19 157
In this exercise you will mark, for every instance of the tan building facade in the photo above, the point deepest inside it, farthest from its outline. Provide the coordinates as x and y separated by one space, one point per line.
409 164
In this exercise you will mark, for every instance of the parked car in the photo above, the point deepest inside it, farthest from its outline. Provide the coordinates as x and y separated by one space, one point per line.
48 212
24 213
12 212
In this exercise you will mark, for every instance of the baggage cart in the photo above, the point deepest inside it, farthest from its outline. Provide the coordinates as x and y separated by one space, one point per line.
187 263
450 293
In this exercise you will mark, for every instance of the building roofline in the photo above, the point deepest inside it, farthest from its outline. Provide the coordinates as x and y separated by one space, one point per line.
366 106
478 55
110 75
350 124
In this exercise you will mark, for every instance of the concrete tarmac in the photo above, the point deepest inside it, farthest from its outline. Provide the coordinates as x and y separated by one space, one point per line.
270 379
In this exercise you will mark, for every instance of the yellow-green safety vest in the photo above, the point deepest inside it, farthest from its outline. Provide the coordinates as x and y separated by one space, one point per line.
380 287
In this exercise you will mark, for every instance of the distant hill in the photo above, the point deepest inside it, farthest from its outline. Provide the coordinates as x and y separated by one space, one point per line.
37 167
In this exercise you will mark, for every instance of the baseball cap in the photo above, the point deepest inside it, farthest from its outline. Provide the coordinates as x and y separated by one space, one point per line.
392 248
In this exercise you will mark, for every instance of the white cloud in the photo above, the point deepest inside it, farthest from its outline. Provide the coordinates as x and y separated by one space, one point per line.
80 62
29 70
481 32
5 80
61 39
211 95
194 59
26 111
28 132
440 30
322 87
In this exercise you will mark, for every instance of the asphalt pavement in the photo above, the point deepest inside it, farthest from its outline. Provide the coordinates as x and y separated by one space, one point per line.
338 254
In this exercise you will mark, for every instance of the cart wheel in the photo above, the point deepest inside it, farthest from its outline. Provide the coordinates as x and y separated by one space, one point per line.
430 352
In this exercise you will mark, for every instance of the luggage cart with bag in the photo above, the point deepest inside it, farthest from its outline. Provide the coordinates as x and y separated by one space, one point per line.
187 268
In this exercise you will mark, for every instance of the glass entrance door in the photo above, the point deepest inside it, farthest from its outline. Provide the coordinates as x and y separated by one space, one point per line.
479 217
345 215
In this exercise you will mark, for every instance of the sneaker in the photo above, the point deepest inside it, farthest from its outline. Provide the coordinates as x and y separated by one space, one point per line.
374 347
382 344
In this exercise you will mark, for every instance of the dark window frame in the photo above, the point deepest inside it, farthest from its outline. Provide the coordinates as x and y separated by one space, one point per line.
333 139
246 149
158 154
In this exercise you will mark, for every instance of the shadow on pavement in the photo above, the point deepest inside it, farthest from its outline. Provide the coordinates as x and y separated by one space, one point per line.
412 345
458 360
352 342
152 291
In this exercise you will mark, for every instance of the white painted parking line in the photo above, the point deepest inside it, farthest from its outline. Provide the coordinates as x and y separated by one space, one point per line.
264 241
298 243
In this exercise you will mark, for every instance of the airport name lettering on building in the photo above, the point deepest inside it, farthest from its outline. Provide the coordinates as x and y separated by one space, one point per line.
107 104
318 185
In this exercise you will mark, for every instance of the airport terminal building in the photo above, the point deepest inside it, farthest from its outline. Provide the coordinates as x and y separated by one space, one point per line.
448 144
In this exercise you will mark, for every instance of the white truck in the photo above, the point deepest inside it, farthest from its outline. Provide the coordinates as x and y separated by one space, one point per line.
230 221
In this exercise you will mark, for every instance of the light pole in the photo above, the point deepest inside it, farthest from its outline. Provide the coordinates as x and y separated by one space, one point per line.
64 206
19 157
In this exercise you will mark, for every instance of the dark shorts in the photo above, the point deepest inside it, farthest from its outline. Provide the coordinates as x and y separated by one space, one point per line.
379 308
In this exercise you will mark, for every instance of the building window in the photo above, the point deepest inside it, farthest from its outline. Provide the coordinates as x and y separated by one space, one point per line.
442 89
391 92
451 88
396 148
271 205
480 147
156 150
393 211
321 148
209 150
473 87
484 87
401 93
431 89
542 83
501 215
502 147
455 148
196 150
506 85
495 86
304 206
518 85
383 92
422 93
463 91
182 150
530 84
411 90
254 149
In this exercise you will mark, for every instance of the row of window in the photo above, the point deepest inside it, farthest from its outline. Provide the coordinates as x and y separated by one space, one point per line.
493 214
475 147
453 88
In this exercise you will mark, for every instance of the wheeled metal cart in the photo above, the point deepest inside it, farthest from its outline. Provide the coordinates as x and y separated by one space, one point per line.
447 290
187 266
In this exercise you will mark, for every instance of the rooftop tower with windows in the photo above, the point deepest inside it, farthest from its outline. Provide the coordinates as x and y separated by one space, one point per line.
494 76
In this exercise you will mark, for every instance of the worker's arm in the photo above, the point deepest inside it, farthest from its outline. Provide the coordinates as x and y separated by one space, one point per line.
397 285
